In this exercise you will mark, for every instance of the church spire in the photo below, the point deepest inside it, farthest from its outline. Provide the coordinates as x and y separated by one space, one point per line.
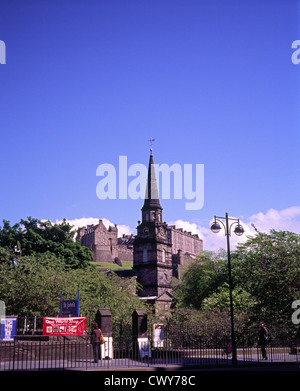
151 196
151 203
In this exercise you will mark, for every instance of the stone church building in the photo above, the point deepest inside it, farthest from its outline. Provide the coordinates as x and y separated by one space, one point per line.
158 251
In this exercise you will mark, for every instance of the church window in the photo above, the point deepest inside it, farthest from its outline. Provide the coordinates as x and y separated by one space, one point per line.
145 255
164 255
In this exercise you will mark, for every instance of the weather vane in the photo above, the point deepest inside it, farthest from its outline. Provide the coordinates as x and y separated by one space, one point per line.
151 143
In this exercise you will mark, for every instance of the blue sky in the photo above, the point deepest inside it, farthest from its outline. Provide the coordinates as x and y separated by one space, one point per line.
211 81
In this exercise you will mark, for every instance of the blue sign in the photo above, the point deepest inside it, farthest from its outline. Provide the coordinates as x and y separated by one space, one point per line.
8 328
69 308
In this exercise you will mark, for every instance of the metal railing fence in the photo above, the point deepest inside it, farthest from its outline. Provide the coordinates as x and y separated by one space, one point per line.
180 347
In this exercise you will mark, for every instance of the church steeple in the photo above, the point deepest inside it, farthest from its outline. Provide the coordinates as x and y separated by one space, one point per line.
152 247
151 196
151 209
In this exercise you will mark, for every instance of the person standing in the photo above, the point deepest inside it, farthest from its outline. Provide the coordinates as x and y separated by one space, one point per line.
263 339
95 340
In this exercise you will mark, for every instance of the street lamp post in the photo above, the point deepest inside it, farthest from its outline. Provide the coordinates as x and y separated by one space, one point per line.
239 230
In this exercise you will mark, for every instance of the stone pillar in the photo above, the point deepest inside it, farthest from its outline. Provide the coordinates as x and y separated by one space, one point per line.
103 318
139 324
141 345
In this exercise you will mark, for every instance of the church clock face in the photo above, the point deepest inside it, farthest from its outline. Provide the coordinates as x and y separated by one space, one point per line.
145 231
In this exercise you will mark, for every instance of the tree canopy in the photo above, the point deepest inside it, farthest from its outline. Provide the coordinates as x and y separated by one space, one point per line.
266 280
268 267
35 236
39 260
31 285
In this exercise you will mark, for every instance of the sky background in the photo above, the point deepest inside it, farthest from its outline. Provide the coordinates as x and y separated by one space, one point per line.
211 81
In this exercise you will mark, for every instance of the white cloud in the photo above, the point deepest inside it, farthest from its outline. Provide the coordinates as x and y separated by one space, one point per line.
281 220
84 221
189 227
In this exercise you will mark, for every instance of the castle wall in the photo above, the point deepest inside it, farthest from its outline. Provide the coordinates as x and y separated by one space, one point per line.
125 253
104 253
184 241
179 262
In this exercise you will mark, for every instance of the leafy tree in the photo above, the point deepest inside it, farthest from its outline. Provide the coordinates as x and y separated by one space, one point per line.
201 278
220 301
35 236
31 285
207 321
5 255
268 267
265 274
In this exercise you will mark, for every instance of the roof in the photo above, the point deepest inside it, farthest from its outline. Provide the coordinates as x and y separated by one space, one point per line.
151 196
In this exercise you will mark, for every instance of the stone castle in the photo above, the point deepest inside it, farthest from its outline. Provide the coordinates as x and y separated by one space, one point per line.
158 251
105 243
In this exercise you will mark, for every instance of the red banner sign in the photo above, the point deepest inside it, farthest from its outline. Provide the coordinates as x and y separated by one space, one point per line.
64 326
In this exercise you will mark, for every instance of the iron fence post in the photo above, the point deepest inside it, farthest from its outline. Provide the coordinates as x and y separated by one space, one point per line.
40 355
14 353
86 354
64 353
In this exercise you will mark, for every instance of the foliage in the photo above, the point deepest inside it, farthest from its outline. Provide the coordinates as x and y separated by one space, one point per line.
99 290
31 285
35 236
266 280
39 259
269 269
201 278
220 300
204 320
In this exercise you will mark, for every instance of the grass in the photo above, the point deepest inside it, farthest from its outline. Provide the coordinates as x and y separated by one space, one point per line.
113 266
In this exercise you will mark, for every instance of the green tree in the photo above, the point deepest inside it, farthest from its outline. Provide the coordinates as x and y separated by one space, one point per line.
268 267
266 280
219 300
5 255
201 278
31 285
99 290
34 236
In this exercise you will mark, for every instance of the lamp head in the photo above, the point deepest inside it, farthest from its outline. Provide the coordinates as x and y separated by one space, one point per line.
215 227
239 230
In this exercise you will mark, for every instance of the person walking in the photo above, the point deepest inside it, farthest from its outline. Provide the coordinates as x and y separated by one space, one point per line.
263 339
96 337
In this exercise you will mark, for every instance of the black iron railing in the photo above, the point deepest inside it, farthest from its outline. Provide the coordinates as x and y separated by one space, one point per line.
180 347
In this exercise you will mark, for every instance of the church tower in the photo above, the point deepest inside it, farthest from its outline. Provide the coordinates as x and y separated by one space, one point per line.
152 249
